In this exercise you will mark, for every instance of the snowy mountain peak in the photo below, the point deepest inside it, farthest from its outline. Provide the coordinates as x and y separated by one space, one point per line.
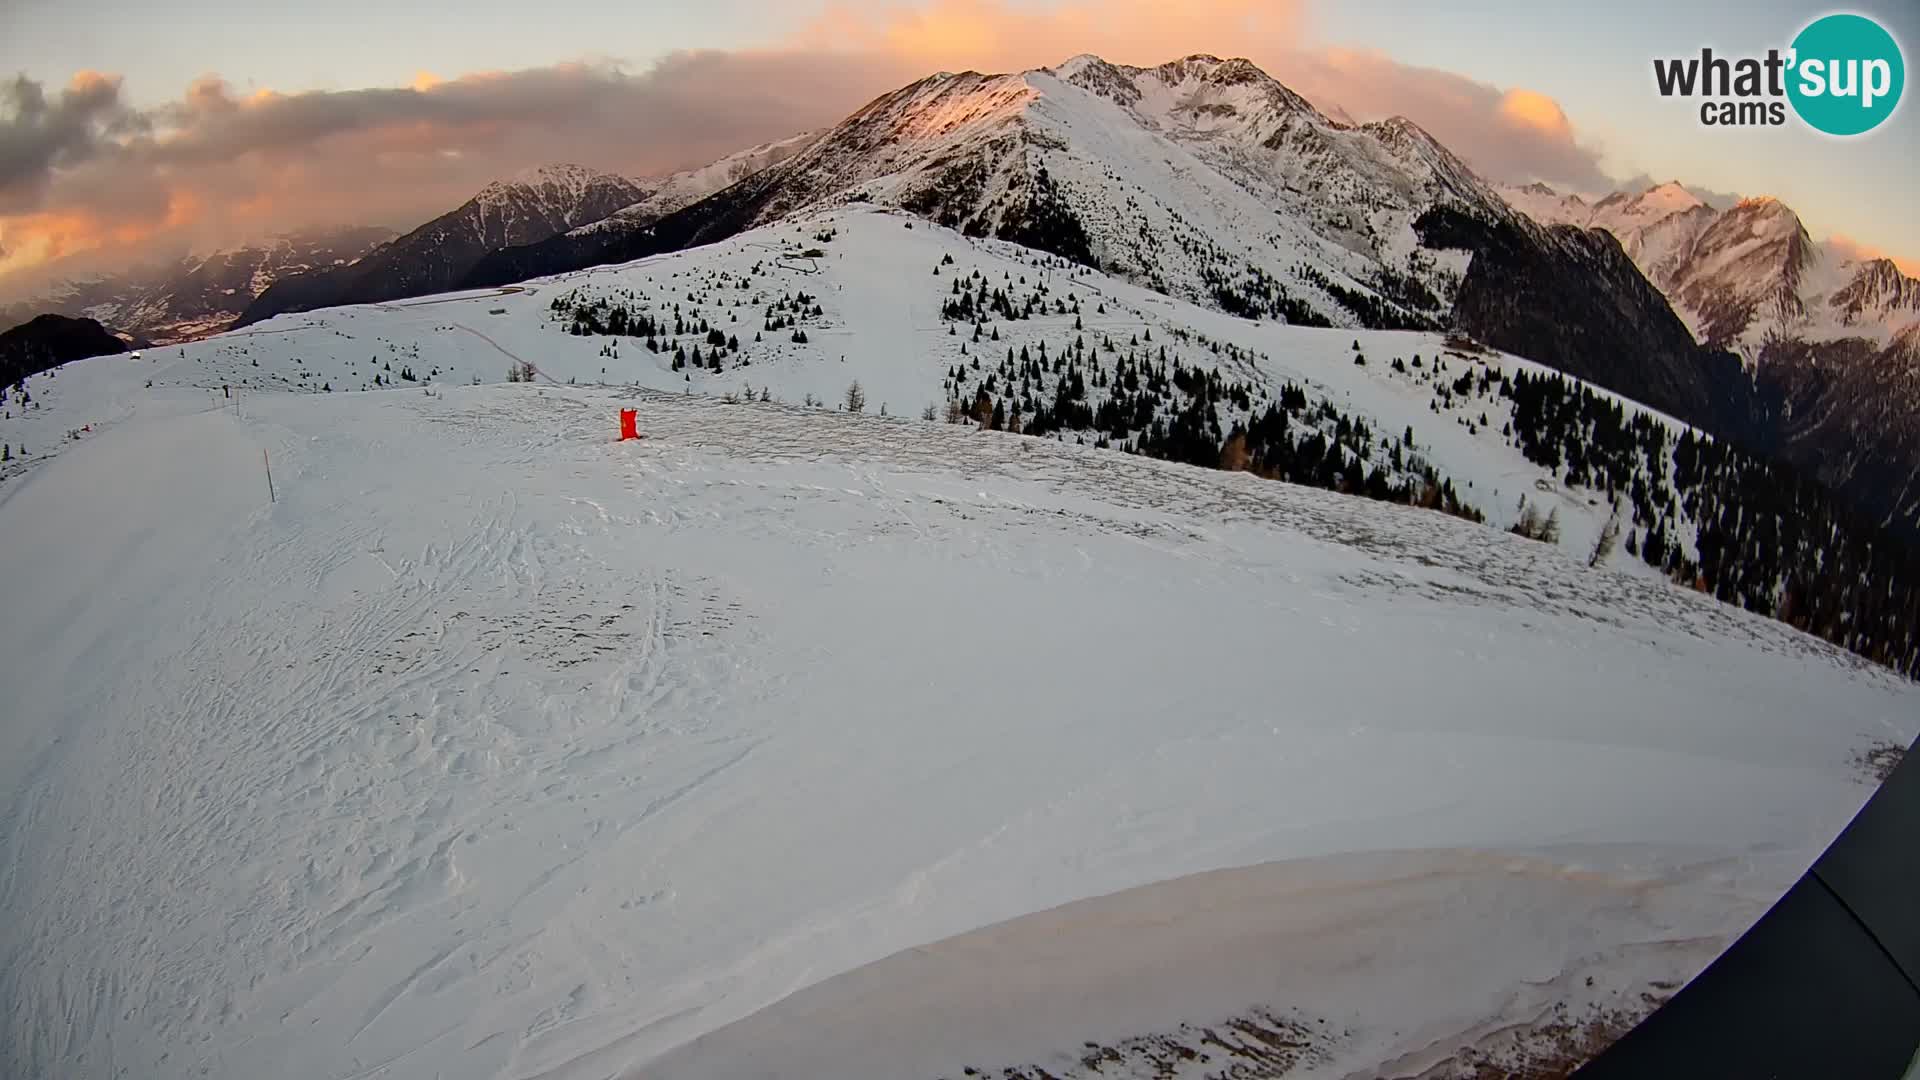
1878 289
1672 195
553 183
1743 276
1201 176
1077 64
1649 207
1192 90
564 173
1544 204
1764 205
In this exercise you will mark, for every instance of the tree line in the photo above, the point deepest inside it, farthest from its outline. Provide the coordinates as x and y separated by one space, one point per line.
1748 530
1140 400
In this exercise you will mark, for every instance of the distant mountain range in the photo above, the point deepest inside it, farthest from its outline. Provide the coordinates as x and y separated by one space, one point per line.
197 295
1742 276
436 256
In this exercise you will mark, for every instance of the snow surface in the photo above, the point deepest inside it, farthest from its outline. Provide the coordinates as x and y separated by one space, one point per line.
497 748
1580 932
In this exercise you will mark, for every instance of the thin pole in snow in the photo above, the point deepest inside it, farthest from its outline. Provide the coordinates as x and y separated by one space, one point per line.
269 467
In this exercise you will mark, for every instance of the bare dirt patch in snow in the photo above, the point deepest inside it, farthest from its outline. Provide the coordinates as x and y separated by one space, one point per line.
1265 1044
1549 1050
1878 762
1261 1045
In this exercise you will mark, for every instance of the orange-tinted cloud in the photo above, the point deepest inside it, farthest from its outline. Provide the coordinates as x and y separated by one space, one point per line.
27 240
993 35
1534 110
1854 249
87 184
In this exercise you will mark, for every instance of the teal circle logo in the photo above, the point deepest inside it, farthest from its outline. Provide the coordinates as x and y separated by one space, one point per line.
1847 74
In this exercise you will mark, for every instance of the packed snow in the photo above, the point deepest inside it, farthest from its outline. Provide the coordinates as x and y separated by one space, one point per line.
495 747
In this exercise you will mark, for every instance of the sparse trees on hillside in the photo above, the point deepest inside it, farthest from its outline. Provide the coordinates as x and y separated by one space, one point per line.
1603 545
856 398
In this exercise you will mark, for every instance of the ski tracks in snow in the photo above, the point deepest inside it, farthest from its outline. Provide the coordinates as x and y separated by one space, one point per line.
395 710
499 748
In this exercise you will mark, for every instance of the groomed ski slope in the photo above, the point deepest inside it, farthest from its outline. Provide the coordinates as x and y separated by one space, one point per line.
495 748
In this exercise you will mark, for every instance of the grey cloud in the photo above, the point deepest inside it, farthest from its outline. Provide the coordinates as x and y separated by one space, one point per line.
215 167
38 135
686 109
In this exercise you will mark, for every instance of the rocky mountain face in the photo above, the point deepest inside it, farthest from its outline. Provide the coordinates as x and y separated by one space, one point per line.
1831 342
50 340
197 295
436 256
1573 299
1744 275
1204 178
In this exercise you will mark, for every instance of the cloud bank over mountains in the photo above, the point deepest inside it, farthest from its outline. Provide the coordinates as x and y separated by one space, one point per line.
89 179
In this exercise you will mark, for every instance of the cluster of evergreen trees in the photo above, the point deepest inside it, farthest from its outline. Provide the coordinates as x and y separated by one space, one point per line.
711 347
1256 294
1373 312
787 312
974 299
1765 536
1140 400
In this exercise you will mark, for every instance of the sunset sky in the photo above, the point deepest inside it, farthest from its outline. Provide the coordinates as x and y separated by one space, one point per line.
132 129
